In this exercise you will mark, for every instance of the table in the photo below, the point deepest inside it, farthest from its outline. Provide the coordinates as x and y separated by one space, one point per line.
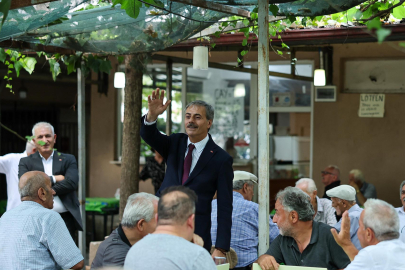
102 207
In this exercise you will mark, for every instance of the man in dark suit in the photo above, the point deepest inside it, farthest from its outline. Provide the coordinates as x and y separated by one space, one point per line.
61 168
195 161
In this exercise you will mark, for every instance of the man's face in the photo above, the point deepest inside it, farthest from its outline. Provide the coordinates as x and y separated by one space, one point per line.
338 205
352 179
250 192
403 197
361 232
196 123
44 134
328 176
281 218
49 194
150 226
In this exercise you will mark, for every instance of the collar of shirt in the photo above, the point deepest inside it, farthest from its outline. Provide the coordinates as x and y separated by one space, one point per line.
354 208
401 210
123 236
199 147
320 206
48 158
237 195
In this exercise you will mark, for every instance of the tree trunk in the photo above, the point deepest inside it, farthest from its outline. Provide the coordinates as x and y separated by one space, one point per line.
131 139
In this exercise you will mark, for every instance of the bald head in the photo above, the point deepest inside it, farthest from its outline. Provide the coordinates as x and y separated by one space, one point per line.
35 186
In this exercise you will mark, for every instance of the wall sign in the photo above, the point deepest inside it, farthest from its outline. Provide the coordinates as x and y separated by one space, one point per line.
372 105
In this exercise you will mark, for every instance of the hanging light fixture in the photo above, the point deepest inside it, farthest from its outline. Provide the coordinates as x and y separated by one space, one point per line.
240 90
200 57
319 74
119 80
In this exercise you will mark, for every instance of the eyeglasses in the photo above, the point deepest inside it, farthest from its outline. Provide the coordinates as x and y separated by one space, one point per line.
325 172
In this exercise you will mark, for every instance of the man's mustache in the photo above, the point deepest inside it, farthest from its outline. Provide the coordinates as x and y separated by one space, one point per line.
191 125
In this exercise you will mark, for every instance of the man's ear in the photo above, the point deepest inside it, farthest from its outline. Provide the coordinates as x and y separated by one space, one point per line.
369 235
54 137
41 194
140 225
294 216
316 192
245 187
190 221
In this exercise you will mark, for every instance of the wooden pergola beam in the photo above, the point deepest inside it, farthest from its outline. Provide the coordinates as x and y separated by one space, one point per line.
25 3
33 48
216 7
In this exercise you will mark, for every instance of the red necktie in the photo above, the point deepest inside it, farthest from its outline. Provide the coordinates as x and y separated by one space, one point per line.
187 163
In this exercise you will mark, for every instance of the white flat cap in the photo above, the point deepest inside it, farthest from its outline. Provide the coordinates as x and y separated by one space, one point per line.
241 175
344 192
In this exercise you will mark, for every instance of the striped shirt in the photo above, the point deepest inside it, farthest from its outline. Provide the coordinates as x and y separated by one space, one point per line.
36 238
245 229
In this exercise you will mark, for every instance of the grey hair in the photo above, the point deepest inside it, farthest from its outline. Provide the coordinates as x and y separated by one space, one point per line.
382 218
32 185
336 168
400 188
209 109
240 183
139 206
30 146
44 124
294 199
311 187
358 175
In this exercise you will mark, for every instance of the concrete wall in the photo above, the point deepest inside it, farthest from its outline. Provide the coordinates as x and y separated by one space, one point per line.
373 145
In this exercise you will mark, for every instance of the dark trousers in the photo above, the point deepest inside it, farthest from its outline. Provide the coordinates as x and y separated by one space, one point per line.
70 223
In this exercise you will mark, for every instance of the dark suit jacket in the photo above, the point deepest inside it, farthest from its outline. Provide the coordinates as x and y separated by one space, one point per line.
213 172
63 164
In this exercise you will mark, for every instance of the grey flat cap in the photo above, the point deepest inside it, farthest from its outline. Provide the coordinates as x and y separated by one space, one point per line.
344 192
241 175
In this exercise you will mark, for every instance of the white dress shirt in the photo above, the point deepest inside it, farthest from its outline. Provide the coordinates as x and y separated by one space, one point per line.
9 166
325 212
199 147
401 215
57 203
386 255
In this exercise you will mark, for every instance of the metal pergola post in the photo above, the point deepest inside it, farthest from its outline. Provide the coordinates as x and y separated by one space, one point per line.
169 73
81 122
263 124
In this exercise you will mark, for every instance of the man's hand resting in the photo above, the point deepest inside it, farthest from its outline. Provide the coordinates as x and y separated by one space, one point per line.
59 178
197 240
155 105
267 262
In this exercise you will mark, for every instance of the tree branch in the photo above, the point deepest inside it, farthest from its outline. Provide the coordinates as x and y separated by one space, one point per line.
382 12
12 131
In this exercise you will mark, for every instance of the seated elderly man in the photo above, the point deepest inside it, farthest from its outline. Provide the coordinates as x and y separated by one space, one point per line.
32 236
401 212
378 234
302 241
245 220
138 221
363 189
343 199
170 247
324 212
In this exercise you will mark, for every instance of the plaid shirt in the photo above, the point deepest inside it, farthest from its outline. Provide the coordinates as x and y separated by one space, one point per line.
36 238
245 229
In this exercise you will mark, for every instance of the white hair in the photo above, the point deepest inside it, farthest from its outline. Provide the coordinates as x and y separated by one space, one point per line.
336 168
42 124
382 218
400 188
30 146
139 206
239 184
311 187
358 175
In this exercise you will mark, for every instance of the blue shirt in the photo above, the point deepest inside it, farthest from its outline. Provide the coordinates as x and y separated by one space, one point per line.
245 229
354 215
34 237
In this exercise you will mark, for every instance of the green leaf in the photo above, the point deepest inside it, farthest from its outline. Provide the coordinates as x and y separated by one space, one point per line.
93 63
358 14
4 8
14 56
244 42
120 59
29 138
10 66
40 142
40 54
9 86
244 52
132 7
6 77
3 55
279 52
18 66
239 60
105 66
283 45
29 64
217 34
374 23
304 21
224 24
273 9
9 71
246 22
213 45
291 18
399 12
382 34
54 67
402 44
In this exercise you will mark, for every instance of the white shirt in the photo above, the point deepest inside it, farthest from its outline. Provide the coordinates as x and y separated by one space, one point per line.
401 215
57 203
199 147
386 255
9 166
325 213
